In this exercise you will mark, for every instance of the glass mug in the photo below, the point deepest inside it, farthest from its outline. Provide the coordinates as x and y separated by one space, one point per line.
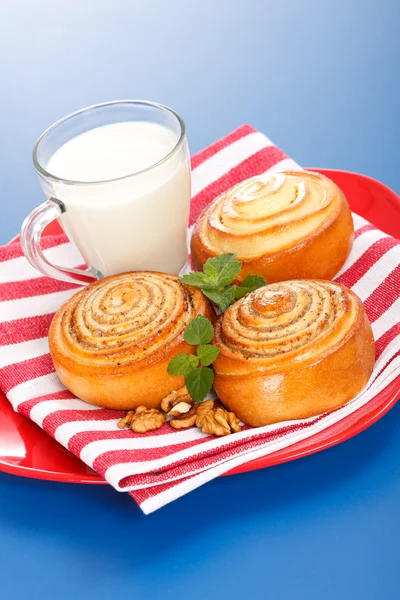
135 221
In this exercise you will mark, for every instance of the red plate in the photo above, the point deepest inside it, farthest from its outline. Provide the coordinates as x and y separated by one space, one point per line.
26 450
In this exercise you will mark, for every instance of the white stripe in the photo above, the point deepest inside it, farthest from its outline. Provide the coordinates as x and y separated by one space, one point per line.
19 269
226 159
385 357
162 498
46 408
41 386
15 353
66 431
358 221
361 245
386 320
376 274
33 306
189 236
286 164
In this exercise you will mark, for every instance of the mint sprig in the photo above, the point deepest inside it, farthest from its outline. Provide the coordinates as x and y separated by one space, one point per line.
195 367
216 280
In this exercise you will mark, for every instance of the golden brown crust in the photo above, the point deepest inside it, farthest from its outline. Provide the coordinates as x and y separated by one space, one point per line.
292 350
282 226
112 341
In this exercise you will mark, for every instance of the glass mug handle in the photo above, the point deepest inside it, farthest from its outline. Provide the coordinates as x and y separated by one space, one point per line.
31 233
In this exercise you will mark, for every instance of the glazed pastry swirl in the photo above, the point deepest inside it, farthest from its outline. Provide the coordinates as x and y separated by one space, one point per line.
292 350
269 213
289 317
125 318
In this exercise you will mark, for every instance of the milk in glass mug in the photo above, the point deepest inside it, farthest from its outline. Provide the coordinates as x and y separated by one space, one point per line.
117 178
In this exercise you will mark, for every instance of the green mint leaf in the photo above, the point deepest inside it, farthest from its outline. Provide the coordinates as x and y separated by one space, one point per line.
210 273
225 266
253 282
199 331
207 353
195 278
249 284
240 292
199 382
182 364
222 299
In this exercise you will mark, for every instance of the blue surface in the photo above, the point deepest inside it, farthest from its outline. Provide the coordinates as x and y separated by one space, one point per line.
320 78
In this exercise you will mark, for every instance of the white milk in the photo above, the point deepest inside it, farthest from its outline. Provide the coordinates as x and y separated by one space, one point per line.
130 224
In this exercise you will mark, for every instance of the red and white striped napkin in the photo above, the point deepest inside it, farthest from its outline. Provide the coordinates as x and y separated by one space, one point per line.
161 466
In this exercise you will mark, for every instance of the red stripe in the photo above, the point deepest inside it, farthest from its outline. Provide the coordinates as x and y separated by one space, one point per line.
25 407
81 439
365 262
391 359
39 286
60 417
210 151
113 457
24 330
386 338
363 229
383 296
13 375
256 164
15 251
140 496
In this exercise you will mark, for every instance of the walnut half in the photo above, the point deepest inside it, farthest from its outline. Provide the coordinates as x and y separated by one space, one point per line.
217 421
176 396
127 420
180 409
147 419
186 420
142 419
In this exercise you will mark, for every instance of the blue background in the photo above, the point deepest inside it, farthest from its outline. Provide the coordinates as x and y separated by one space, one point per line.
321 79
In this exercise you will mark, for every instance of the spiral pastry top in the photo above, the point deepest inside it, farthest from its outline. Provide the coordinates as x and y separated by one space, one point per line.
293 319
111 343
275 211
292 350
285 225
124 318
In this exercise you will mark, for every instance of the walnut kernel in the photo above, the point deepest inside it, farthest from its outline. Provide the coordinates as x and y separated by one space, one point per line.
147 419
234 422
180 409
127 420
181 395
202 409
186 420
217 421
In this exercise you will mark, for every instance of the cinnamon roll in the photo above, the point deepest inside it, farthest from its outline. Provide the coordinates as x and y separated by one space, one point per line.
112 341
282 226
292 350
